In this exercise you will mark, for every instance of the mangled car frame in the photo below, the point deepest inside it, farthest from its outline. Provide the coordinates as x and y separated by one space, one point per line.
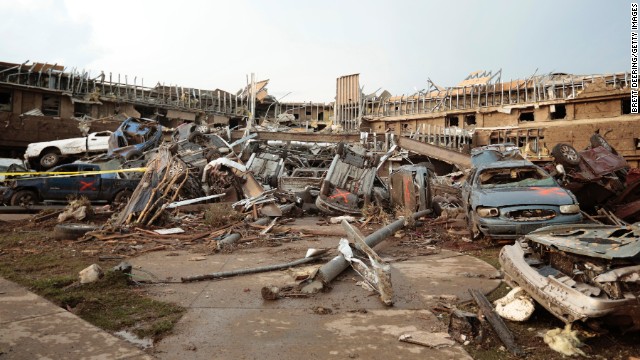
587 272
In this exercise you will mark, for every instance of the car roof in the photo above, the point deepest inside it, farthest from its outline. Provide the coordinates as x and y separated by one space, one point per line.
507 164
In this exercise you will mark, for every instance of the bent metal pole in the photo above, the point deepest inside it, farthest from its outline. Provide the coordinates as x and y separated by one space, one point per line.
338 264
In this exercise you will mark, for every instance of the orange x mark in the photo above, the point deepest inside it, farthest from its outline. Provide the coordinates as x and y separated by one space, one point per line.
340 194
548 191
87 185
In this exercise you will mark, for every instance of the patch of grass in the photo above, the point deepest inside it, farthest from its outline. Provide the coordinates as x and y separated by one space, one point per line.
50 269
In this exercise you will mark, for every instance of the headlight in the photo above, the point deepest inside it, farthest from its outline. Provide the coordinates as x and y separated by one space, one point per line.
487 212
570 209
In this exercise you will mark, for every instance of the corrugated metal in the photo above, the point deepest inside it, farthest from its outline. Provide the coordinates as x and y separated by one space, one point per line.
347 109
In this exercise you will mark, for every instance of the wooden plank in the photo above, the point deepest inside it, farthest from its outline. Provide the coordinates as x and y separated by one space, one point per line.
496 322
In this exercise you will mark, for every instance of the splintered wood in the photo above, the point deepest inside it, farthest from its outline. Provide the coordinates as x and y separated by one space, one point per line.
160 185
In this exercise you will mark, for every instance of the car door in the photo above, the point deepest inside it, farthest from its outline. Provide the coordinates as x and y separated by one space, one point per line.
89 184
99 141
62 187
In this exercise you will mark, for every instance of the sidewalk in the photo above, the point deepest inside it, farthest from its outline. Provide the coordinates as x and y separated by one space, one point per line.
33 328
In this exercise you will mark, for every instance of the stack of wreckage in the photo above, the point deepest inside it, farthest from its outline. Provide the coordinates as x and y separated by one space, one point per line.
585 270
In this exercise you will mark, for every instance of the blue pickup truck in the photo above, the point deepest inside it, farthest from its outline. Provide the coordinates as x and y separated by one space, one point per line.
107 188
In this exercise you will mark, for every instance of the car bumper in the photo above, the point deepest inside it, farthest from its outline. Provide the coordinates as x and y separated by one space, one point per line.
562 300
500 228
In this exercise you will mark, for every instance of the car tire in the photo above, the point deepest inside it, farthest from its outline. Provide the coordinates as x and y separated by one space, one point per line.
133 155
598 140
122 197
24 198
72 231
566 155
50 159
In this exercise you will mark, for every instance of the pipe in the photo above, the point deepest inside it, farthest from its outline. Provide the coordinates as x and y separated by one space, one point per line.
223 274
228 240
338 264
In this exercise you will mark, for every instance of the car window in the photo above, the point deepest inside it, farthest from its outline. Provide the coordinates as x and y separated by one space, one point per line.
514 178
65 168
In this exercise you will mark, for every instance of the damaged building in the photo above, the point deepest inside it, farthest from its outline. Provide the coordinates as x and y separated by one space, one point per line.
535 113
44 102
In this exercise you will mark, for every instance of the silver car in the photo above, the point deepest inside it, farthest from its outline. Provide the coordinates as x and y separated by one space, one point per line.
582 272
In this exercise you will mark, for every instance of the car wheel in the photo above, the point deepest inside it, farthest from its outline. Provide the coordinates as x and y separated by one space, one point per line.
122 198
598 140
566 155
50 159
133 155
24 198
72 231
474 231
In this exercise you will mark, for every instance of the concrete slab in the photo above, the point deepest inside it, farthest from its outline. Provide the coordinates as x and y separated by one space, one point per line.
229 319
301 334
29 304
33 328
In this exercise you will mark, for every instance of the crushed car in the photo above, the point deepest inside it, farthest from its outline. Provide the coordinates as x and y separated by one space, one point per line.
580 272
594 175
600 178
135 136
348 185
411 188
507 196
47 154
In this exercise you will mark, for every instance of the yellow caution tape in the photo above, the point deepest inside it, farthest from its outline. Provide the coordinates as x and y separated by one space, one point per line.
73 173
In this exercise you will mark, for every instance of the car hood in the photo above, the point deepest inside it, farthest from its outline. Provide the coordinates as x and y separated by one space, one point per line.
552 195
594 240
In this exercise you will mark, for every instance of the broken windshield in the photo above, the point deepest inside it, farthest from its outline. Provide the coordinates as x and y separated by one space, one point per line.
514 178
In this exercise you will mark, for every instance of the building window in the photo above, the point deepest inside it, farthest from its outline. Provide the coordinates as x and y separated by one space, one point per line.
321 115
558 112
51 105
308 113
526 116
80 109
626 106
5 100
451 120
296 116
470 119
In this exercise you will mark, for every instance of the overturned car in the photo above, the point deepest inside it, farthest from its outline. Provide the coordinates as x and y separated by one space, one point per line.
588 272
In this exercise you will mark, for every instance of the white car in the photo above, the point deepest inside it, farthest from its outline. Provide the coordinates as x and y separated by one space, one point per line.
48 154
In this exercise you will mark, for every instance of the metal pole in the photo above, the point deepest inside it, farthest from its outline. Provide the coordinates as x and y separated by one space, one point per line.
225 274
338 264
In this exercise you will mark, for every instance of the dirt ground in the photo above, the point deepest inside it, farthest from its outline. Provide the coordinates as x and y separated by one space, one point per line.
229 319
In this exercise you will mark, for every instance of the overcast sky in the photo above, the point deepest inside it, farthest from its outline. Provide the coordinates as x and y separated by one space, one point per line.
303 46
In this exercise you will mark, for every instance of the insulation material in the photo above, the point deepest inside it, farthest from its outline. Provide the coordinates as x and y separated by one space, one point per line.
565 341
515 306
